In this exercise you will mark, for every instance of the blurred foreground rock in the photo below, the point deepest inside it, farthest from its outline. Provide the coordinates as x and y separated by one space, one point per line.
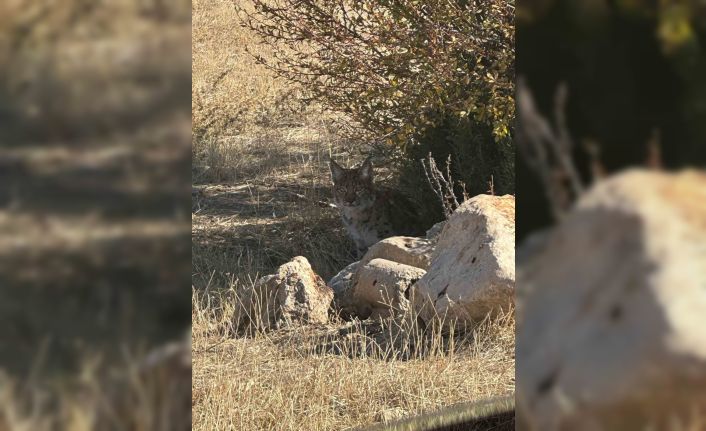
165 381
293 295
611 310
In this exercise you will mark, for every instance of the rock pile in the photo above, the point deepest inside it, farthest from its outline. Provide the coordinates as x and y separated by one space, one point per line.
464 270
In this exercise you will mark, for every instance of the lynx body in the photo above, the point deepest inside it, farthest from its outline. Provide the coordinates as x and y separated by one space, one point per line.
369 213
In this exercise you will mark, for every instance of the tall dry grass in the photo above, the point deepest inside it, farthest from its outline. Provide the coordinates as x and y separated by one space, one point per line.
261 196
338 376
231 92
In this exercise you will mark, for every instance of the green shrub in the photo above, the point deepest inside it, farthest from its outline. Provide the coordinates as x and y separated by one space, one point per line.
392 64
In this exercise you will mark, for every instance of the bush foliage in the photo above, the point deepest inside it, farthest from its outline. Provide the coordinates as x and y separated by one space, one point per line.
391 64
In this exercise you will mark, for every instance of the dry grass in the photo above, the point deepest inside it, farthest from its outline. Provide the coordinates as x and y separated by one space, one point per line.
338 376
259 161
262 196
230 92
274 207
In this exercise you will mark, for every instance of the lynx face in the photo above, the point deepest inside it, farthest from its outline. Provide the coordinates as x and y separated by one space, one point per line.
369 213
353 188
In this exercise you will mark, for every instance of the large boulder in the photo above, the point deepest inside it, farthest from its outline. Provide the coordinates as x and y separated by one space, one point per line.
472 271
407 250
381 287
293 295
611 309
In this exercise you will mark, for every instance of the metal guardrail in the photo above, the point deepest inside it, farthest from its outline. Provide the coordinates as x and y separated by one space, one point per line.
497 414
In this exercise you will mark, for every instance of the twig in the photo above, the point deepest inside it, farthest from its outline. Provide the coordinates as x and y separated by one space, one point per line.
594 153
303 197
654 151
211 347
443 186
547 151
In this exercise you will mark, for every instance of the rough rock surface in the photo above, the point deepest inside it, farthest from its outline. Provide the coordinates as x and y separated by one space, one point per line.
472 272
295 294
404 250
407 250
342 285
381 287
611 309
434 231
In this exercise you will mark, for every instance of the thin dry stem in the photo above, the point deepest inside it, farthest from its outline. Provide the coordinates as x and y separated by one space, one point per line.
548 151
442 184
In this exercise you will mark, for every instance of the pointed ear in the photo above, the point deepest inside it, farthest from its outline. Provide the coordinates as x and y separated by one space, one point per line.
366 170
336 171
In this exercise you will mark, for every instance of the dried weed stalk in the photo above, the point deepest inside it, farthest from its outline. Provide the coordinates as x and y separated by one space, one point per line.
548 150
443 184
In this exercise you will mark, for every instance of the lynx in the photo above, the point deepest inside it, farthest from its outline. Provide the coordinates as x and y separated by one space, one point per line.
369 213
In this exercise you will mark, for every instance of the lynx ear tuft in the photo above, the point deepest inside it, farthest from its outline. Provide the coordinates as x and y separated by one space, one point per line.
366 170
336 171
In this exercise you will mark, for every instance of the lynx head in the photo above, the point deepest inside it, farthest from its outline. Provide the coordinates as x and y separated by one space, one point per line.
353 187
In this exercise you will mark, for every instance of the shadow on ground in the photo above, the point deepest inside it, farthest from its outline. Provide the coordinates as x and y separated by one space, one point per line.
251 228
94 185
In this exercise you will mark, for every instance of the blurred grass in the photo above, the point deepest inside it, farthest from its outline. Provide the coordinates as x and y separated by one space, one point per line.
94 229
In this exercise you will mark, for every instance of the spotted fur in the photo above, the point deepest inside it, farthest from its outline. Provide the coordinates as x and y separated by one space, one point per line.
369 213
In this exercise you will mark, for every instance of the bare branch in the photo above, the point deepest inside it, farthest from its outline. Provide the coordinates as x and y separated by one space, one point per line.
443 186
547 151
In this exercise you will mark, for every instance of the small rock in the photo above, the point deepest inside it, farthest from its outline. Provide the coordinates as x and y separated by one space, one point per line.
391 414
381 286
407 250
294 295
434 231
342 285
